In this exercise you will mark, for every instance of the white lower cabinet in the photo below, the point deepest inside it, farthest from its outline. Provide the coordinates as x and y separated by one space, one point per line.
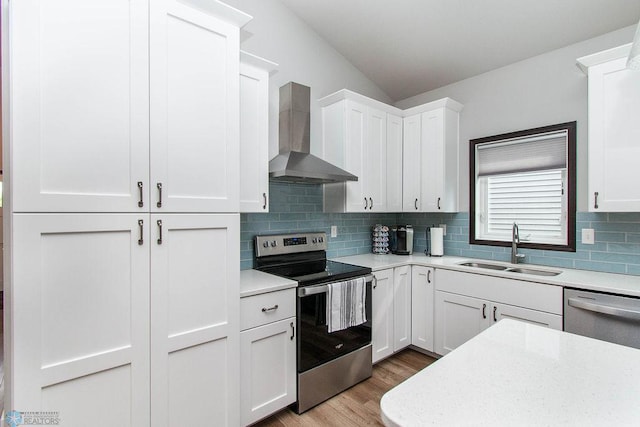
267 354
401 307
391 311
130 315
466 304
382 312
458 319
194 319
422 307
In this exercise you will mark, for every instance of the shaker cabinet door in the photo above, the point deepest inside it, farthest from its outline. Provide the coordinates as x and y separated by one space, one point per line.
458 319
422 309
401 307
382 312
194 110
614 105
79 85
268 375
254 133
80 317
195 319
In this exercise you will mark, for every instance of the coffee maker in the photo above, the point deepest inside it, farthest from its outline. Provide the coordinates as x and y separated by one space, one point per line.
402 240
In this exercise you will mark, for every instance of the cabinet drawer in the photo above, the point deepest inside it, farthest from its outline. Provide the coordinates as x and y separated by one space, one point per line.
265 308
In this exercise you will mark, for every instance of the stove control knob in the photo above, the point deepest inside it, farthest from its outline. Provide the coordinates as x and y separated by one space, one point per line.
320 239
273 244
314 241
265 244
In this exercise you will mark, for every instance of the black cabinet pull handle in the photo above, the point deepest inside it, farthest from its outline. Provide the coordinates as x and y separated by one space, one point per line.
264 196
293 331
438 203
416 203
160 230
140 226
140 201
159 185
494 313
428 276
264 309
366 204
595 203
484 307
371 200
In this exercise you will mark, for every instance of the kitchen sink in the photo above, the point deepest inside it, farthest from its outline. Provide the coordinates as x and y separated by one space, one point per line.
482 265
507 269
533 271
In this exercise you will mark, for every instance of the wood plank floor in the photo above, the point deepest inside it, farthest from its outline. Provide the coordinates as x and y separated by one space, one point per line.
360 405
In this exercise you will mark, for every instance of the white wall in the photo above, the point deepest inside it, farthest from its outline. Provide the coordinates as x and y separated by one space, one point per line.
276 34
543 90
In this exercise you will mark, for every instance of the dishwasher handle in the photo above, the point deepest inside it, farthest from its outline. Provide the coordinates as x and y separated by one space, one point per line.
605 309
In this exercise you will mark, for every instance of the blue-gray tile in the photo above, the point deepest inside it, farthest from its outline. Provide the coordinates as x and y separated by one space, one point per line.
549 261
606 267
633 269
624 217
615 258
591 216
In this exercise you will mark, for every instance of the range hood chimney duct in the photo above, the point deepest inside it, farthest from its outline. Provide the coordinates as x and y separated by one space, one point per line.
295 163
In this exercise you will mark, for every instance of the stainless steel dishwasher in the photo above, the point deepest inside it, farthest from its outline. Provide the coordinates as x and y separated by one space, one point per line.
606 317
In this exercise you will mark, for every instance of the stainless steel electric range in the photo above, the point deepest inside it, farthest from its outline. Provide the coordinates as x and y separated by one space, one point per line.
327 363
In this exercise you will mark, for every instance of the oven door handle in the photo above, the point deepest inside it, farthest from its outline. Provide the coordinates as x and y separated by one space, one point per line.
320 289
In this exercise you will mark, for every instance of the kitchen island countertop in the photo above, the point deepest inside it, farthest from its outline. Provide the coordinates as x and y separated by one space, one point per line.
516 373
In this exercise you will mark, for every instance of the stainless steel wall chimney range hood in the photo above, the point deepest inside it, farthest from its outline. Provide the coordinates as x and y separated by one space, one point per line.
295 163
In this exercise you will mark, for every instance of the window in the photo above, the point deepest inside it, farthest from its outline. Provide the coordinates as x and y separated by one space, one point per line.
527 178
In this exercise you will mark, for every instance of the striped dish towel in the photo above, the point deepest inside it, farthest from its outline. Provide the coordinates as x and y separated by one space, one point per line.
346 304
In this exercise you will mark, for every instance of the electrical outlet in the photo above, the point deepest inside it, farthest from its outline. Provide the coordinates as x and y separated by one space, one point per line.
444 229
588 236
334 231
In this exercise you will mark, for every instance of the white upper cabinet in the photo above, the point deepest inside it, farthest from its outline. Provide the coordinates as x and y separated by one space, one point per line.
411 170
194 84
430 165
357 134
139 113
394 163
254 132
614 108
79 86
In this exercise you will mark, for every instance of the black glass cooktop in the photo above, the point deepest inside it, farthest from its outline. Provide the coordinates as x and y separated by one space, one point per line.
316 272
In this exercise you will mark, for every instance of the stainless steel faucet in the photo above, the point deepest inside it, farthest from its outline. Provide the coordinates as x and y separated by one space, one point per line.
515 239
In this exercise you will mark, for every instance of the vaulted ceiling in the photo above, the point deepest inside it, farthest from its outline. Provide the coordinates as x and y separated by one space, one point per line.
407 47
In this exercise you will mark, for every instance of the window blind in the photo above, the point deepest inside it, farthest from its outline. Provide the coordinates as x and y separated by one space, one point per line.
533 200
518 155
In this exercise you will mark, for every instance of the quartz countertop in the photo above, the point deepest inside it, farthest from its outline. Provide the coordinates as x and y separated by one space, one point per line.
254 282
623 284
516 373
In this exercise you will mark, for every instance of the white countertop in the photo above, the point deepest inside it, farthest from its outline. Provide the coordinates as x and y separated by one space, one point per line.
516 373
623 284
254 282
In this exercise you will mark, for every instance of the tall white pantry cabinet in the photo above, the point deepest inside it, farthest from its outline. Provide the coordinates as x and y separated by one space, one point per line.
121 179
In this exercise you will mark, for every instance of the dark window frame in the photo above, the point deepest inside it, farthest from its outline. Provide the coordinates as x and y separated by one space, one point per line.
570 127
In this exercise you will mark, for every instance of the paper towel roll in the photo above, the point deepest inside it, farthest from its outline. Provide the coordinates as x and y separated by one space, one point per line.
436 241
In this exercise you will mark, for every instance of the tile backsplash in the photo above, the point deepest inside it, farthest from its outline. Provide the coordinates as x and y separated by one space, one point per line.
298 207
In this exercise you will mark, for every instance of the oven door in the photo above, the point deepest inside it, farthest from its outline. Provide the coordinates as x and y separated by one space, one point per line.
315 344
